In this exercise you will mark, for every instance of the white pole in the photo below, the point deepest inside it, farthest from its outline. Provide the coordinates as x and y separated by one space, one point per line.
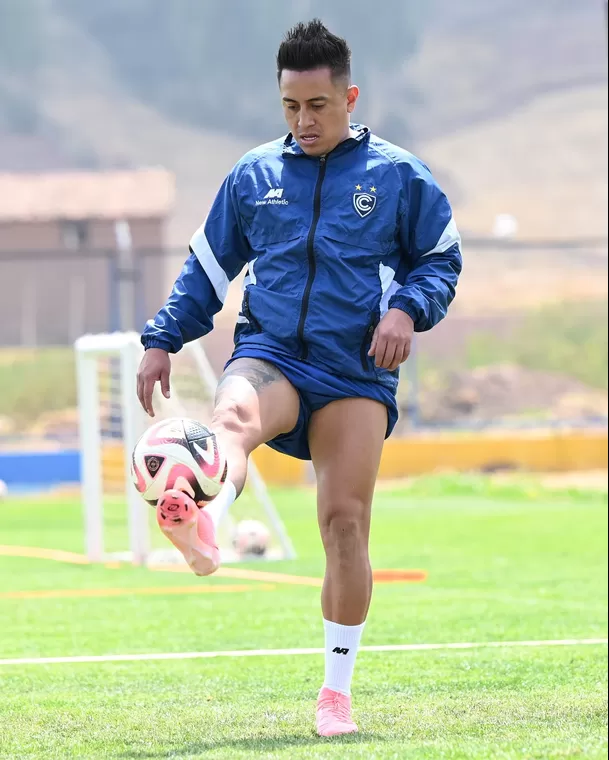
126 275
139 532
90 453
137 515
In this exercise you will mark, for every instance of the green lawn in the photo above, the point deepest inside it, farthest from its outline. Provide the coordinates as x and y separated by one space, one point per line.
505 563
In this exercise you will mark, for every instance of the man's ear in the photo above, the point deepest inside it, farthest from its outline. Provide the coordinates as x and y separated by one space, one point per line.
352 96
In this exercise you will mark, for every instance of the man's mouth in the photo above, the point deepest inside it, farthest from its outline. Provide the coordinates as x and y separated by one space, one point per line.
309 139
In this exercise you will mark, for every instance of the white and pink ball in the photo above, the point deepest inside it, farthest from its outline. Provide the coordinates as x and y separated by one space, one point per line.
251 537
178 453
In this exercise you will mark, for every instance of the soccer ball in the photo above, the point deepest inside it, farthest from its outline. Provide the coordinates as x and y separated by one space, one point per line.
251 537
3 490
182 454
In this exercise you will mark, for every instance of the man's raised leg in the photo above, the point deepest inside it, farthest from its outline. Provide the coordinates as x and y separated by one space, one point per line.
254 403
346 440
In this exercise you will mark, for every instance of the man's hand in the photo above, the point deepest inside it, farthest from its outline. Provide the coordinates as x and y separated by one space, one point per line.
392 339
156 365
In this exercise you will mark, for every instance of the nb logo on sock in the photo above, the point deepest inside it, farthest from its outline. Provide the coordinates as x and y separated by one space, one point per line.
340 650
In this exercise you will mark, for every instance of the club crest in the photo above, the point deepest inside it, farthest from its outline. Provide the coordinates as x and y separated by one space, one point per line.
364 203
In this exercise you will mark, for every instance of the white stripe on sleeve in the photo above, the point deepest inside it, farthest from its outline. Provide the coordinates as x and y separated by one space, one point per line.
389 287
449 237
202 250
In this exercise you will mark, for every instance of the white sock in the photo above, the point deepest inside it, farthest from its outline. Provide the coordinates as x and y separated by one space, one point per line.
219 506
342 643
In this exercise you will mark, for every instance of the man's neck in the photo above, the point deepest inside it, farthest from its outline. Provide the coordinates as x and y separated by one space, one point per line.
350 134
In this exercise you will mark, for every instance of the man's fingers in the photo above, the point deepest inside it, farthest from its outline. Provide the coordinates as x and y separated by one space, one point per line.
141 394
396 362
149 384
155 366
374 343
165 385
390 353
379 351
140 391
400 357
382 351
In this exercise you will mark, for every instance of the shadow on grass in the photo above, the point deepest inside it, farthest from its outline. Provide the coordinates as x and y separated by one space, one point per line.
253 745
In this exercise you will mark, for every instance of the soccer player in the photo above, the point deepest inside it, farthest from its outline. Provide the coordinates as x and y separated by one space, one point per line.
350 248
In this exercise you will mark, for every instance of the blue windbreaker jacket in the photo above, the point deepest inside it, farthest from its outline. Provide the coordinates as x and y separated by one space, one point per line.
329 244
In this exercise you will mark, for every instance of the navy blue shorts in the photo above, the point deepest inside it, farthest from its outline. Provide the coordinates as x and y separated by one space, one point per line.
316 388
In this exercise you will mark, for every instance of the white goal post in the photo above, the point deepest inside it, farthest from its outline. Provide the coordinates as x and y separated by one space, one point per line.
111 421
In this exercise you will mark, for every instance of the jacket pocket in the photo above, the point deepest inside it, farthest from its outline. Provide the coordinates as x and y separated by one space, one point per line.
365 345
247 312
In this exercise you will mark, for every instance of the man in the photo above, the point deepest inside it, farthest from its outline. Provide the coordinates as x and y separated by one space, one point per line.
350 248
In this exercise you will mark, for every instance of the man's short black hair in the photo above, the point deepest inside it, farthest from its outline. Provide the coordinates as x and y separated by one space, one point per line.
312 46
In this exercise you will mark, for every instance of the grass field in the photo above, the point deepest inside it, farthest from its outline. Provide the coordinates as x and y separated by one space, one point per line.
505 563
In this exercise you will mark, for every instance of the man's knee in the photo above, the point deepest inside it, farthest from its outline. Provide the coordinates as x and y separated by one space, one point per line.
344 527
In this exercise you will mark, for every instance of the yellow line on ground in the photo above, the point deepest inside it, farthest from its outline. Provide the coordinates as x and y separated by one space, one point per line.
380 576
35 552
57 555
158 591
247 575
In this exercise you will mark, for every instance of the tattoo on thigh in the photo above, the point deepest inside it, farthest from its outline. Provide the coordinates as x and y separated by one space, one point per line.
258 373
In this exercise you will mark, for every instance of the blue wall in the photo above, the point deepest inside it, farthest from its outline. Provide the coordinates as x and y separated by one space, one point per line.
39 469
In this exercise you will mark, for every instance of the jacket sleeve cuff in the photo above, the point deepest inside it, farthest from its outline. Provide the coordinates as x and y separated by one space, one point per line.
157 343
403 303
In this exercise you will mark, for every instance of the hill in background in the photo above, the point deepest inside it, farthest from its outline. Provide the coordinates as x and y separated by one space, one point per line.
506 100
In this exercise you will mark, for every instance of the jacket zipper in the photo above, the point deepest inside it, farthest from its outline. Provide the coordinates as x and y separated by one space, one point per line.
311 256
247 312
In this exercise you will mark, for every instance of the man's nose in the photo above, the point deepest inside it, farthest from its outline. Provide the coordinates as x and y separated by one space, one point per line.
306 120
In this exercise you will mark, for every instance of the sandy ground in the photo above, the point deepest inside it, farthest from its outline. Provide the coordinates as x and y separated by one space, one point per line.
593 480
590 480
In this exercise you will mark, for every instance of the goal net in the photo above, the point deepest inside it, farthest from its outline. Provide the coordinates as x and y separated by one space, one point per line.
119 525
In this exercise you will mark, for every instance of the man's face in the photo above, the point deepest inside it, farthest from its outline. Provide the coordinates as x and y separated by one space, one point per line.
317 108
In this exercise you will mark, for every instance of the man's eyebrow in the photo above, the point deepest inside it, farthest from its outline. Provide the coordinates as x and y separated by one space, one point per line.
310 100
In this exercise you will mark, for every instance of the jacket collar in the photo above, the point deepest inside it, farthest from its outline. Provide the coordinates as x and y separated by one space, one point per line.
358 134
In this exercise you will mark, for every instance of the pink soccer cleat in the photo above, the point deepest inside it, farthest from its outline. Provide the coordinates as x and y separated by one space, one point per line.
190 529
334 713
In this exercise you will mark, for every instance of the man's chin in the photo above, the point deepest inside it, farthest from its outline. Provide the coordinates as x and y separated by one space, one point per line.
313 149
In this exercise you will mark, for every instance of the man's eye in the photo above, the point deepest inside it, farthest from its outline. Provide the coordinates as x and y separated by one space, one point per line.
318 106
292 108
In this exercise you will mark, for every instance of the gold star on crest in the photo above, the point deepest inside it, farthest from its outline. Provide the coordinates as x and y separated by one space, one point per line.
373 189
358 187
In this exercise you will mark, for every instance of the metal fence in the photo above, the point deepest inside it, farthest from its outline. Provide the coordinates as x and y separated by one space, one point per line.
49 298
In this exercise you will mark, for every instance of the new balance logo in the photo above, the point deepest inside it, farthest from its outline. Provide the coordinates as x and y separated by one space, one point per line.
274 197
340 650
